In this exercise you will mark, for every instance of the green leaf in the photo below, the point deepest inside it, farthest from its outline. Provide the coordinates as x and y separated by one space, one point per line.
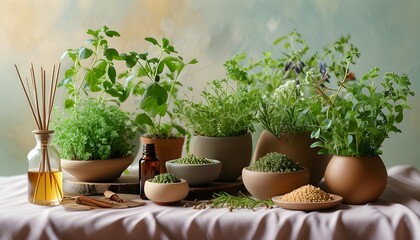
149 105
194 61
174 64
85 52
316 134
143 56
158 92
111 33
162 109
142 119
152 40
160 68
107 84
180 129
112 73
317 144
100 69
349 139
111 53
90 78
113 92
68 103
165 42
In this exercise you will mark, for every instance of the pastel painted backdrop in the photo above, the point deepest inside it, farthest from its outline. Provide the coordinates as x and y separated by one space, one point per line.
387 33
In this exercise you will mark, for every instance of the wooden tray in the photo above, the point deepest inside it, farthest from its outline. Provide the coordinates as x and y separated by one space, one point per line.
124 184
130 185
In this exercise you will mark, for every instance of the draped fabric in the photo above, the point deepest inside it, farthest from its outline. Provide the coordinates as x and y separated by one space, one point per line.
395 215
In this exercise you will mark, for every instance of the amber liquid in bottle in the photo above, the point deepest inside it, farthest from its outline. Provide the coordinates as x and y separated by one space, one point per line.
149 166
45 188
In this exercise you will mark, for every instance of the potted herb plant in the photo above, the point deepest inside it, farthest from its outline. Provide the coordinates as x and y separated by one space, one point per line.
93 133
156 86
221 124
357 116
273 174
166 189
287 110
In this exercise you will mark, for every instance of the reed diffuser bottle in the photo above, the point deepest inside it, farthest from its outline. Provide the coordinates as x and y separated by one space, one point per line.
45 183
44 171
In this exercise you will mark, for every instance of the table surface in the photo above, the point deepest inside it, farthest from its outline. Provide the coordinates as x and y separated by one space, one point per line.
395 215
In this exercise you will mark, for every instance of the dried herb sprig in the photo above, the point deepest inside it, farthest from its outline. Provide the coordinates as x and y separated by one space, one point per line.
223 199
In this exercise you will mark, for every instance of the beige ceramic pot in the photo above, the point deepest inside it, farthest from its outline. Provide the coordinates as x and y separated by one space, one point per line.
97 170
358 180
166 193
233 152
297 147
195 174
166 149
265 185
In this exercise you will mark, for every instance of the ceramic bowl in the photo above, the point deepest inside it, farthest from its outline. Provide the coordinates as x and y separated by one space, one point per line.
166 193
265 185
97 170
195 174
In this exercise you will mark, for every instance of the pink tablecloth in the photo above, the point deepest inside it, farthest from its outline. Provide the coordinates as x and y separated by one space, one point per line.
396 215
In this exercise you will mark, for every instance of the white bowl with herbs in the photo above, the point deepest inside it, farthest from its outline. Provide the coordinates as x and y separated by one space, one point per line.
273 174
194 169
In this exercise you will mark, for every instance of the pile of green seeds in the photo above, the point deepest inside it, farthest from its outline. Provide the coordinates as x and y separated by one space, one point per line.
275 162
192 159
165 178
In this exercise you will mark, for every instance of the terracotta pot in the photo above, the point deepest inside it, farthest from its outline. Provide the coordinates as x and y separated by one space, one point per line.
265 185
166 149
234 152
358 180
97 170
297 147
166 193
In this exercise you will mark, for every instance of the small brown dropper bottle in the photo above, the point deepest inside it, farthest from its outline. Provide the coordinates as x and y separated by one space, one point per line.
148 166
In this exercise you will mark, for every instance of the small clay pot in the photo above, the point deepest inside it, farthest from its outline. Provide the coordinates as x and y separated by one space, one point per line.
265 185
358 180
166 193
297 147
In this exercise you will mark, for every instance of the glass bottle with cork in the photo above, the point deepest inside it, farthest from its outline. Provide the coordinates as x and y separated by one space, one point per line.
148 166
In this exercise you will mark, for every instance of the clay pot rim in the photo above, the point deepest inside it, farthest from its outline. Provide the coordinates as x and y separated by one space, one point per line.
214 162
95 160
171 138
355 156
278 173
183 181
202 136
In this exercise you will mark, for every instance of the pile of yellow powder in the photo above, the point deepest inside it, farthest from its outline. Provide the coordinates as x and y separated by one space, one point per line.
307 194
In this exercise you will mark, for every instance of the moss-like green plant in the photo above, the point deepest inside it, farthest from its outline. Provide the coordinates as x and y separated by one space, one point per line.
165 178
275 162
192 159
93 130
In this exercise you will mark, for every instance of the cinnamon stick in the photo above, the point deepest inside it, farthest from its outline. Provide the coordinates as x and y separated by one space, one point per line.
92 202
